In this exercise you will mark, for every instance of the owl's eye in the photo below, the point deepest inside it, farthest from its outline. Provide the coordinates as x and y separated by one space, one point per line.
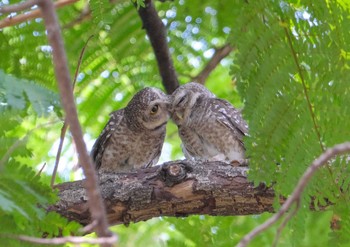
154 109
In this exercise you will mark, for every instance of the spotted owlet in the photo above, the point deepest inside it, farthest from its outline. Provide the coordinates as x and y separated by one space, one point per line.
133 137
211 129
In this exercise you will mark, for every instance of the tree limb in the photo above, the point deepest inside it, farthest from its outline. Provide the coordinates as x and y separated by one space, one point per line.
157 35
17 7
13 20
220 53
174 189
95 202
64 240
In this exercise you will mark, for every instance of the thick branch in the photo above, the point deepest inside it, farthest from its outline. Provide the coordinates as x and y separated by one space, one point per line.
96 206
157 35
219 54
174 189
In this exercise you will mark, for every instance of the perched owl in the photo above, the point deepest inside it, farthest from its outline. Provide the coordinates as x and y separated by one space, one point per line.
211 129
133 137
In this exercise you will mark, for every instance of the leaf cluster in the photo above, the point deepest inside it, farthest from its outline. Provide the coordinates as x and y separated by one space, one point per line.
292 72
23 194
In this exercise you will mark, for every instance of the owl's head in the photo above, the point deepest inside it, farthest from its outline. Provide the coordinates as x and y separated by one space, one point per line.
184 98
148 109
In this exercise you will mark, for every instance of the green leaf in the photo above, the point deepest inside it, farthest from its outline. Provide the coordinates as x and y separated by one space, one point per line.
18 93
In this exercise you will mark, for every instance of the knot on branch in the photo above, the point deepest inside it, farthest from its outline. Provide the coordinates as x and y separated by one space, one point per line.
174 173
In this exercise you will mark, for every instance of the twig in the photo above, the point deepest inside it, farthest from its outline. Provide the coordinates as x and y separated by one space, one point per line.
9 151
219 54
65 125
58 154
303 181
89 228
157 35
85 14
17 7
41 170
308 101
284 223
297 64
95 202
13 20
64 240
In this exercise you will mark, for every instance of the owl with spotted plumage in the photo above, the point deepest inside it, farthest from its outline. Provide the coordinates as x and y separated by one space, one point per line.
134 136
211 129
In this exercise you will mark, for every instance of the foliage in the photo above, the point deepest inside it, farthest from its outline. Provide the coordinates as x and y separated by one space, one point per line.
23 194
293 73
284 52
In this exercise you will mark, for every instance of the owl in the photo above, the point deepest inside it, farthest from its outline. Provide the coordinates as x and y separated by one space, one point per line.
211 129
134 136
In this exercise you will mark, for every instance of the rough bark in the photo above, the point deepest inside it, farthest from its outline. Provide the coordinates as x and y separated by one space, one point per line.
176 188
156 33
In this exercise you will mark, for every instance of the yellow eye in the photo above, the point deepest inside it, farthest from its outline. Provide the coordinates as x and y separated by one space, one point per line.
154 109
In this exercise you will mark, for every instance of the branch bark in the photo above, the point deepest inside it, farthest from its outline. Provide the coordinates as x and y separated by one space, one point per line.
14 20
17 7
220 53
174 189
157 35
95 202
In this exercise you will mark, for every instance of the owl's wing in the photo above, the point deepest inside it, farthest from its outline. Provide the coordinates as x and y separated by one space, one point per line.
157 150
98 148
230 117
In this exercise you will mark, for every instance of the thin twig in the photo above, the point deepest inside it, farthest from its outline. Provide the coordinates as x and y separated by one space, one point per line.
85 14
89 228
157 35
41 170
306 93
220 53
65 124
80 60
95 202
64 240
284 223
14 20
58 154
303 181
17 7
311 110
10 150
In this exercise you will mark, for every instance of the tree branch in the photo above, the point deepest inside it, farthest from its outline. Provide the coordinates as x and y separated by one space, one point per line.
17 7
13 20
295 197
64 240
95 202
219 54
174 189
157 35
